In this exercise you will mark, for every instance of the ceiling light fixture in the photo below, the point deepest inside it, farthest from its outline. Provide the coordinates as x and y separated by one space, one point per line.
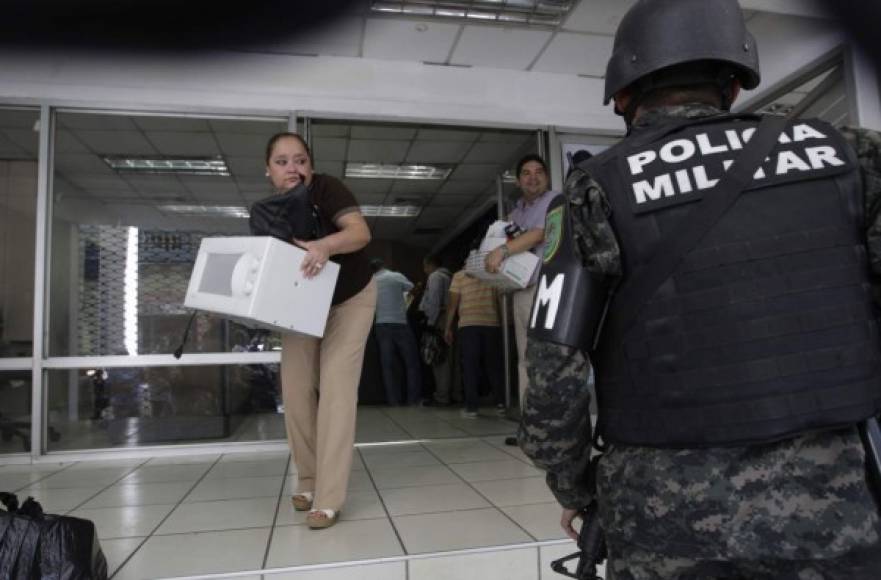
212 211
177 165
380 171
241 212
403 211
526 12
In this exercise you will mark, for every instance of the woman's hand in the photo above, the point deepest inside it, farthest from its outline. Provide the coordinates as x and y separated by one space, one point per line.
316 257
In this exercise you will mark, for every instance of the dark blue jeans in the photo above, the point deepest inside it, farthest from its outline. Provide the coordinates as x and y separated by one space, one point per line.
481 348
397 341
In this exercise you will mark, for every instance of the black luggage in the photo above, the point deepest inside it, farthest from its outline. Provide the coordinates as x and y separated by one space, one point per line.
35 546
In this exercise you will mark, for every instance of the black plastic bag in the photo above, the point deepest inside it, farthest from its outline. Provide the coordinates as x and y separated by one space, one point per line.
35 546
287 216
432 347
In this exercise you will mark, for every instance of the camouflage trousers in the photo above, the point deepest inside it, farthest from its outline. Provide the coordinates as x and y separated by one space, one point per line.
799 509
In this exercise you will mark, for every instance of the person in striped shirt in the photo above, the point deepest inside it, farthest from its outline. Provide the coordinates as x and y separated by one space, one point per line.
476 306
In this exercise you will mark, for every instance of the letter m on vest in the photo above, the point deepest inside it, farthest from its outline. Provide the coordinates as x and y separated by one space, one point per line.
548 296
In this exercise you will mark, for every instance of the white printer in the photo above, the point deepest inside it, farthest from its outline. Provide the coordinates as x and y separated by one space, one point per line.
515 271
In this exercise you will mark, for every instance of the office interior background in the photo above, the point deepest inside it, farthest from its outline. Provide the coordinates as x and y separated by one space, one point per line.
114 164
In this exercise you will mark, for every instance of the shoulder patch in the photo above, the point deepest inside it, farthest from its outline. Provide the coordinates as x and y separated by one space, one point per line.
553 232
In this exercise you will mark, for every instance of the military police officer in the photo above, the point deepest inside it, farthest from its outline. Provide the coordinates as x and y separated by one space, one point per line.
729 261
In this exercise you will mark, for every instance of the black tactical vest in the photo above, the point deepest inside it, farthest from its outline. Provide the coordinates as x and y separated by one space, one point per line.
766 328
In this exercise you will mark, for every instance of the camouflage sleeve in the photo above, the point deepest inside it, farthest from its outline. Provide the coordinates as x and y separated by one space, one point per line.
555 431
594 236
867 145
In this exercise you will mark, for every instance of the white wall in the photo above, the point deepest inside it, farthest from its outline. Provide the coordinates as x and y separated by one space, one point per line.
358 87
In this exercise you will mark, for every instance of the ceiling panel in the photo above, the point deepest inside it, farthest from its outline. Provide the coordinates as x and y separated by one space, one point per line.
370 198
76 164
26 139
500 153
324 129
447 135
157 185
447 200
571 53
381 132
334 168
599 16
437 152
475 172
96 122
209 184
101 183
367 150
505 136
433 217
357 186
172 124
9 149
339 38
265 128
247 167
498 47
184 143
329 149
67 142
219 197
18 119
117 142
458 187
243 144
416 186
419 40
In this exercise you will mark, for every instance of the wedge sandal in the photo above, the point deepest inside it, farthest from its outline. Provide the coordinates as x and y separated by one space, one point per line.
302 501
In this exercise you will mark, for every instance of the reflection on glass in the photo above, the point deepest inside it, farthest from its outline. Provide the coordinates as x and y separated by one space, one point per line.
121 255
136 406
19 144
15 411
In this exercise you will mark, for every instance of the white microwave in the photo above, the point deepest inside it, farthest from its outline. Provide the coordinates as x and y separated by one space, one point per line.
257 279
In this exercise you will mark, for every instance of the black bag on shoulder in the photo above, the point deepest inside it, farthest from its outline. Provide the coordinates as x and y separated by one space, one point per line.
35 546
287 216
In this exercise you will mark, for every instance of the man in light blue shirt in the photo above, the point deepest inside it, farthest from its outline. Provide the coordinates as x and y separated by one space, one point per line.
533 179
394 335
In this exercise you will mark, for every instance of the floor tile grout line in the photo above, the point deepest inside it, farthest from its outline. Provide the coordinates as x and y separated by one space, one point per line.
56 472
388 514
168 515
489 501
284 478
105 488
343 564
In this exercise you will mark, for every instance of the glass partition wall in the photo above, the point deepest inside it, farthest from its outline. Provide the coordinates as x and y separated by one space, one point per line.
129 198
19 144
132 198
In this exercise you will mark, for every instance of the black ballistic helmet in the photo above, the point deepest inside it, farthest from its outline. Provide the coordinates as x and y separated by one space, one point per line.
657 34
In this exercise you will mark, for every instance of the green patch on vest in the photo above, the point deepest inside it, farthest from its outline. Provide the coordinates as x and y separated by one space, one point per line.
553 232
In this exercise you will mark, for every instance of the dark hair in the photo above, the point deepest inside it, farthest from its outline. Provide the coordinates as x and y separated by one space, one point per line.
270 145
376 264
527 159
432 260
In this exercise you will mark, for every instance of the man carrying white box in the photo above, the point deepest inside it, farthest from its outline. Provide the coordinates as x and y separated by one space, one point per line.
529 215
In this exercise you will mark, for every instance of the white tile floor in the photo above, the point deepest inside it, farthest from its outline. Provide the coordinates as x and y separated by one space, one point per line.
417 506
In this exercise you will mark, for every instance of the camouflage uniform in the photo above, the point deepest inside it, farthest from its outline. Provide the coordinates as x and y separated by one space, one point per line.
798 508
